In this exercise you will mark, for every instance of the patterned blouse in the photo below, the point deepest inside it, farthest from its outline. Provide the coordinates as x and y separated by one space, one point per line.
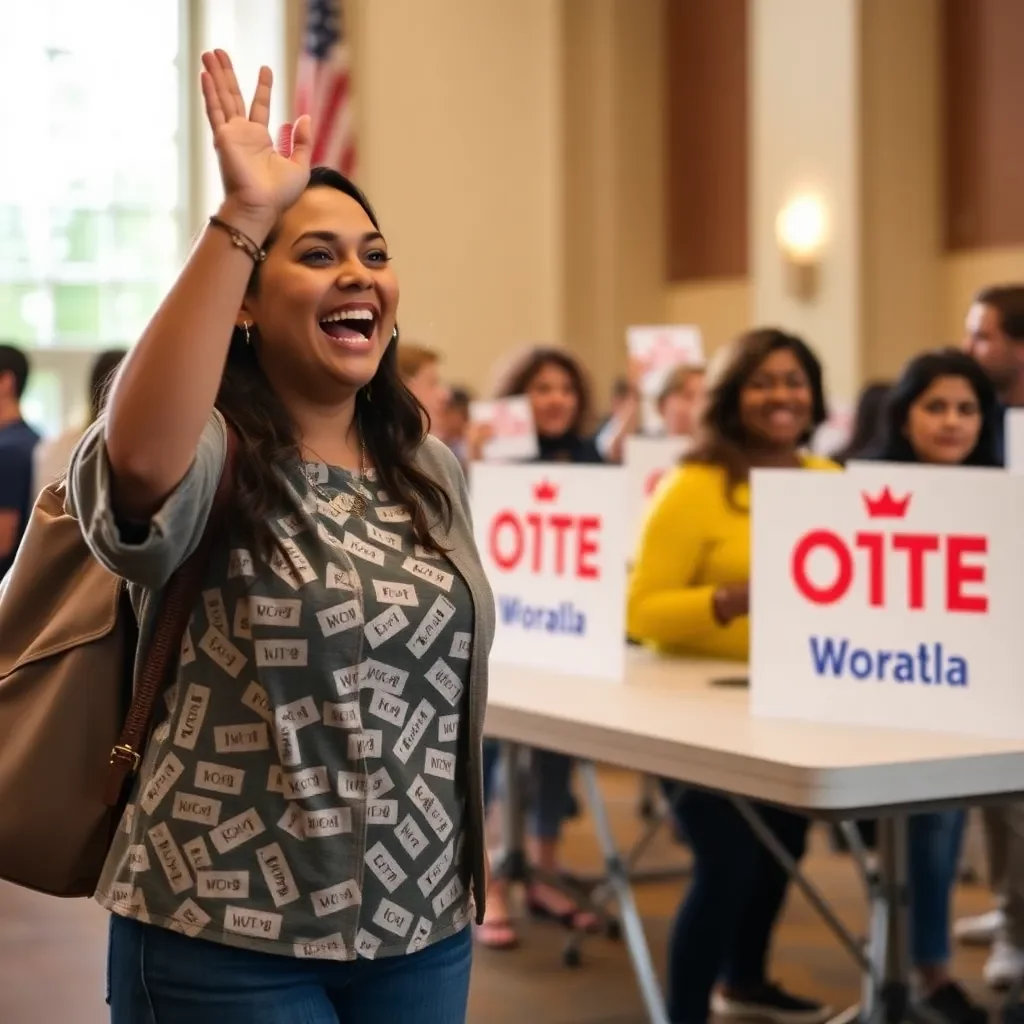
305 793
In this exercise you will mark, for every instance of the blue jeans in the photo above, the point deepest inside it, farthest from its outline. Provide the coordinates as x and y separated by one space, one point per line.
157 976
934 840
723 929
551 795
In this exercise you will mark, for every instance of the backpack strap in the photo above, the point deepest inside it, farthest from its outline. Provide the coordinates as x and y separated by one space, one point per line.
179 598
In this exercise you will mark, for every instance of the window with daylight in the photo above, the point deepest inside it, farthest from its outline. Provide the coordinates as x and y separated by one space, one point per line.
92 196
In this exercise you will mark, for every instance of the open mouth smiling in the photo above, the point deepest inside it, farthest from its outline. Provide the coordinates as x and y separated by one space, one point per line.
350 324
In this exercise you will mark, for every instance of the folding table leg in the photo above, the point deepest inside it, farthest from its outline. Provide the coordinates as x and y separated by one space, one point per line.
618 881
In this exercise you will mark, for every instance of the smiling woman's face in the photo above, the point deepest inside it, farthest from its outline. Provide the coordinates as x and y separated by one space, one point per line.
776 402
327 300
944 422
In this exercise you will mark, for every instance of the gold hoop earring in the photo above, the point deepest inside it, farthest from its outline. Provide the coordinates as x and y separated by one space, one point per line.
245 327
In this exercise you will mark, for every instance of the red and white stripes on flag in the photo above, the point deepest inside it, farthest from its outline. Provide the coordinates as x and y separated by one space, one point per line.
324 86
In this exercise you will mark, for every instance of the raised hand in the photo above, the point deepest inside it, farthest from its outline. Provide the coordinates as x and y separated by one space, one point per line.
258 180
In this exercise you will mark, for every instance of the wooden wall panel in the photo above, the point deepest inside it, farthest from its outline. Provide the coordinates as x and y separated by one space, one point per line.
706 150
983 96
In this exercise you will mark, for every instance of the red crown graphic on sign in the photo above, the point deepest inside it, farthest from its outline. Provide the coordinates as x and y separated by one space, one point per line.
545 491
886 506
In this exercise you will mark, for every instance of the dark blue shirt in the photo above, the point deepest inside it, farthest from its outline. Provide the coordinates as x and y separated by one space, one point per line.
17 444
568 448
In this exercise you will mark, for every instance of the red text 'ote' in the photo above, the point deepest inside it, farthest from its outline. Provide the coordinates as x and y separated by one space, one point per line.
959 557
556 542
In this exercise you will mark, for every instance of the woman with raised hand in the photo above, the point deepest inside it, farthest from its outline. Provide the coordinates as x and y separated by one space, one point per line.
304 841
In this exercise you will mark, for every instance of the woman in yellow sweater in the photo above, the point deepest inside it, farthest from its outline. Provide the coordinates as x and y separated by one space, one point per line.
689 595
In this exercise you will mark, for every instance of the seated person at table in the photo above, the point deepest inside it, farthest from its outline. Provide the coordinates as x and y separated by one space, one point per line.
942 411
557 387
689 595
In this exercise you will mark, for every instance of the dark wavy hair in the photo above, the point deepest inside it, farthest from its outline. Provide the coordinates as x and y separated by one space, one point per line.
721 437
867 421
520 373
388 416
101 377
918 375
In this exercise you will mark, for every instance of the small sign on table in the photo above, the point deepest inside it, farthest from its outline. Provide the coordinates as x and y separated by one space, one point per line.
553 542
889 595
647 460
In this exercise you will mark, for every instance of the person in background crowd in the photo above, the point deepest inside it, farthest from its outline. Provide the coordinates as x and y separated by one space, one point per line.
17 446
51 457
994 336
866 422
454 425
689 595
420 370
559 397
680 398
942 411
623 421
621 401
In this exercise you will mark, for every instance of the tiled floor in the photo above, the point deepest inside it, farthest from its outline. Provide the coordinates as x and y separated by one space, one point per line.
52 952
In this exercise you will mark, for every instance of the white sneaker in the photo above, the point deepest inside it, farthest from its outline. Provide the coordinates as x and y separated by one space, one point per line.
980 930
1004 965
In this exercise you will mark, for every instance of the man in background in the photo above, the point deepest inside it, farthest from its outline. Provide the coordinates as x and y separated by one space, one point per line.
994 336
17 444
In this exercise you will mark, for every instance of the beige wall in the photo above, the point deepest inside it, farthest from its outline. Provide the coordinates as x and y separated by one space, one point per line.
614 255
901 200
964 273
460 139
529 206
720 307
805 111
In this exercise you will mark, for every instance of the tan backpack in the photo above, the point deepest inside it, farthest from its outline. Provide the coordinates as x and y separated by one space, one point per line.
73 727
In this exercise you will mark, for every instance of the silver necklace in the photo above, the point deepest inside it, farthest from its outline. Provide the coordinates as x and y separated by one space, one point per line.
354 504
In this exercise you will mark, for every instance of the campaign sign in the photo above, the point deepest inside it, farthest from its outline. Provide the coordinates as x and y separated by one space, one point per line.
889 595
651 352
513 434
647 460
657 348
553 542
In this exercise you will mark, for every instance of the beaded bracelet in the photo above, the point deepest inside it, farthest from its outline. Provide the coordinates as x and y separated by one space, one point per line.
240 240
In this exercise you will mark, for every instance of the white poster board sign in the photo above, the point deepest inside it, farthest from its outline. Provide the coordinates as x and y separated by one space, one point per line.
646 460
553 542
513 433
889 596
652 351
1014 440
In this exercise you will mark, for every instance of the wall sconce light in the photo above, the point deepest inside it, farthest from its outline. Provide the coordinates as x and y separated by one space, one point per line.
800 231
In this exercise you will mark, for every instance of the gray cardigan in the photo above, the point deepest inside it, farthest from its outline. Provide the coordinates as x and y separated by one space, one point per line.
176 529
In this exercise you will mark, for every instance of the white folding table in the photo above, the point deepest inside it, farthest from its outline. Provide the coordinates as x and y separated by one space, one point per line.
669 718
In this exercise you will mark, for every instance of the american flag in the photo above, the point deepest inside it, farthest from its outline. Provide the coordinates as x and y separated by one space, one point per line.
324 86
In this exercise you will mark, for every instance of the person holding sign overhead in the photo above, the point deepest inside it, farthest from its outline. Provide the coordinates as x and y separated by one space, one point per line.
689 595
942 411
